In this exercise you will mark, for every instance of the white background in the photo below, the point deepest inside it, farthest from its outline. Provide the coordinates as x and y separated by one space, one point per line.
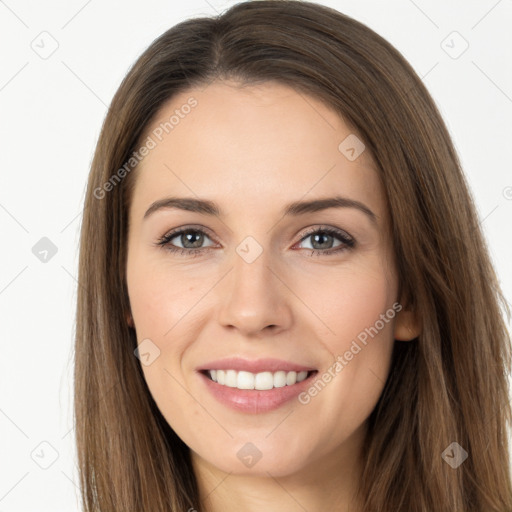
51 114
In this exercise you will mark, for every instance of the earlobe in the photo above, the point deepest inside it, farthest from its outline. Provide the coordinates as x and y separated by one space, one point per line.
129 320
407 326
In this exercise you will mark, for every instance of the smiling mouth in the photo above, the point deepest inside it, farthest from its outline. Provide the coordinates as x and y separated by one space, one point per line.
257 381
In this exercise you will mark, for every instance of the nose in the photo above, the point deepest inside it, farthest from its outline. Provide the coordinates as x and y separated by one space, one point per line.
254 297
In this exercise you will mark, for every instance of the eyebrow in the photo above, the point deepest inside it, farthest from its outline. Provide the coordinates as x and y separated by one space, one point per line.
207 207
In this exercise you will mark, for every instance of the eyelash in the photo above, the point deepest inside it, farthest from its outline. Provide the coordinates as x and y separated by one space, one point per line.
347 241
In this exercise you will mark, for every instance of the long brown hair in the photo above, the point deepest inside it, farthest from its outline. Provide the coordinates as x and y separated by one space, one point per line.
449 385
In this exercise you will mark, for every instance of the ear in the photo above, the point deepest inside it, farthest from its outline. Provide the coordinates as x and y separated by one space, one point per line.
407 326
129 320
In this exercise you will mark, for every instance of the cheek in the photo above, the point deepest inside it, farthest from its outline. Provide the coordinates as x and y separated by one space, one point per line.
357 311
162 306
159 300
349 301
165 304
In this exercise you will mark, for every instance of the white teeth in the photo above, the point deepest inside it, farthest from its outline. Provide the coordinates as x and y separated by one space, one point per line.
301 376
264 380
259 381
230 378
291 378
245 380
279 379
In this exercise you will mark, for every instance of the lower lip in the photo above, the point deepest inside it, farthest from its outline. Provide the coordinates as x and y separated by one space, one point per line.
255 401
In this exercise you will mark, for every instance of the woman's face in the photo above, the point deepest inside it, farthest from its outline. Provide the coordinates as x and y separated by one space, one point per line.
259 280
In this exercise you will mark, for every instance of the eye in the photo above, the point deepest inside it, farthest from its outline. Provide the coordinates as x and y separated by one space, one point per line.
322 240
191 241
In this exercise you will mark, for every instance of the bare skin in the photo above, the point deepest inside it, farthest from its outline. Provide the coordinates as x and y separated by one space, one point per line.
253 150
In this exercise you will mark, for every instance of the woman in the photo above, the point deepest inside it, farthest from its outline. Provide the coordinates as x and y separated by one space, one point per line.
287 301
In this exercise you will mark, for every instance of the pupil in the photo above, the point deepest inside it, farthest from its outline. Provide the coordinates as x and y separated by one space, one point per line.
322 244
186 236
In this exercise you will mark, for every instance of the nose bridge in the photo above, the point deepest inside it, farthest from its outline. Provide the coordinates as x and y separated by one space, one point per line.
252 296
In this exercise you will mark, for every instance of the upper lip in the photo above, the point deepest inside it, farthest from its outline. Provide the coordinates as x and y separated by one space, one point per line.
254 366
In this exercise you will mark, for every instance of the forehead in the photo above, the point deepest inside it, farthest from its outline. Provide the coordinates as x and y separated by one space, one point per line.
250 144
